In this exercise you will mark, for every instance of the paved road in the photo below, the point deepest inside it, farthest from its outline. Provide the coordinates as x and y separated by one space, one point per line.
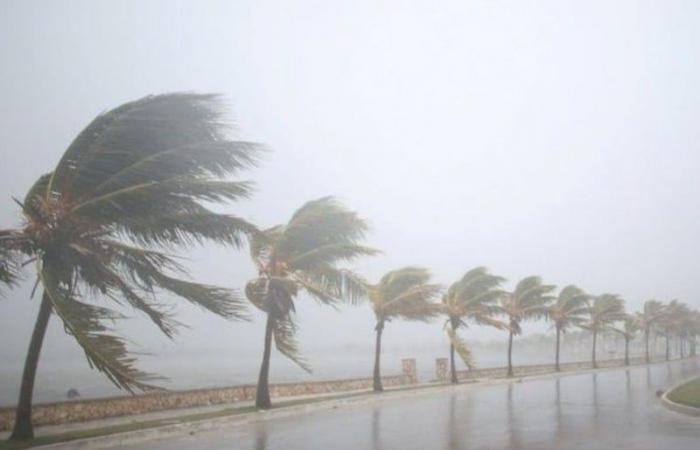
614 409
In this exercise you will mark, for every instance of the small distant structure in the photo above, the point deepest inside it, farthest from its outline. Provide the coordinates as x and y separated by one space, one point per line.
73 393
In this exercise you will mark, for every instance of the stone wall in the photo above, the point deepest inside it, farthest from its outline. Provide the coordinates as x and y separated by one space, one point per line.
84 410
442 372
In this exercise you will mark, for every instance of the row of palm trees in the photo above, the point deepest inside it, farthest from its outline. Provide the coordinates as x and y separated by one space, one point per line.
478 298
132 191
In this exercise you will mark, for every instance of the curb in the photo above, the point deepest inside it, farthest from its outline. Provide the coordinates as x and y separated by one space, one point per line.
677 407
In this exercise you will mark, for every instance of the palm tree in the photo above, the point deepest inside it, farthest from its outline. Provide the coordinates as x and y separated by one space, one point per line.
569 309
130 184
400 294
651 313
303 255
687 330
629 330
471 299
693 330
669 323
605 310
529 300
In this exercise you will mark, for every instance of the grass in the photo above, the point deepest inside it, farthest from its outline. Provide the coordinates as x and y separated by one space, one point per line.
687 394
136 426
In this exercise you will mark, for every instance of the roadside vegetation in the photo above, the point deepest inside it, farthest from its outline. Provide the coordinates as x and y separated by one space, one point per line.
131 194
687 394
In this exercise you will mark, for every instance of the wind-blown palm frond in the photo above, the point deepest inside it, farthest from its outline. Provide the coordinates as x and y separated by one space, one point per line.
131 184
11 255
652 312
151 140
405 293
604 311
569 309
104 351
284 331
460 347
322 223
630 327
529 300
474 296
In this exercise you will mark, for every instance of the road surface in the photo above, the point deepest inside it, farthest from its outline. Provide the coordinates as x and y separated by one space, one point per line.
615 409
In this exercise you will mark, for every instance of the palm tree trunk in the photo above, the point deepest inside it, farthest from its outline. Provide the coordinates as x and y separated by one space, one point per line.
627 351
510 353
693 343
24 428
377 357
646 344
453 367
262 395
595 339
556 358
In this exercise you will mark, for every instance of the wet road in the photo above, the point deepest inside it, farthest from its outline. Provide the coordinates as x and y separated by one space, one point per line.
614 409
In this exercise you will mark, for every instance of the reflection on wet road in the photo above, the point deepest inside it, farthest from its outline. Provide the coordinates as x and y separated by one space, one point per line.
615 409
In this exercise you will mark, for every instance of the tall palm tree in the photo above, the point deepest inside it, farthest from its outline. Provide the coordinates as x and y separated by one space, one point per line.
130 184
303 255
473 298
529 300
605 310
669 323
401 294
687 330
693 331
629 330
569 309
651 313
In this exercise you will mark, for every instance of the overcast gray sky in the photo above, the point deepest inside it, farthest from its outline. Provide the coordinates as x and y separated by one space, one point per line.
556 138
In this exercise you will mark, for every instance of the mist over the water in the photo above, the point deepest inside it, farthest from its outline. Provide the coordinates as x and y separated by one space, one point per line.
556 139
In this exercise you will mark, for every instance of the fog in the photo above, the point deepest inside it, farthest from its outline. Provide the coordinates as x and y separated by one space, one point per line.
552 138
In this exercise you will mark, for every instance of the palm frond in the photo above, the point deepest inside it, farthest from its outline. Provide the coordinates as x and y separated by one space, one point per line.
461 348
328 284
604 311
395 282
104 351
11 254
183 229
487 319
284 331
129 144
407 294
224 302
329 254
319 223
